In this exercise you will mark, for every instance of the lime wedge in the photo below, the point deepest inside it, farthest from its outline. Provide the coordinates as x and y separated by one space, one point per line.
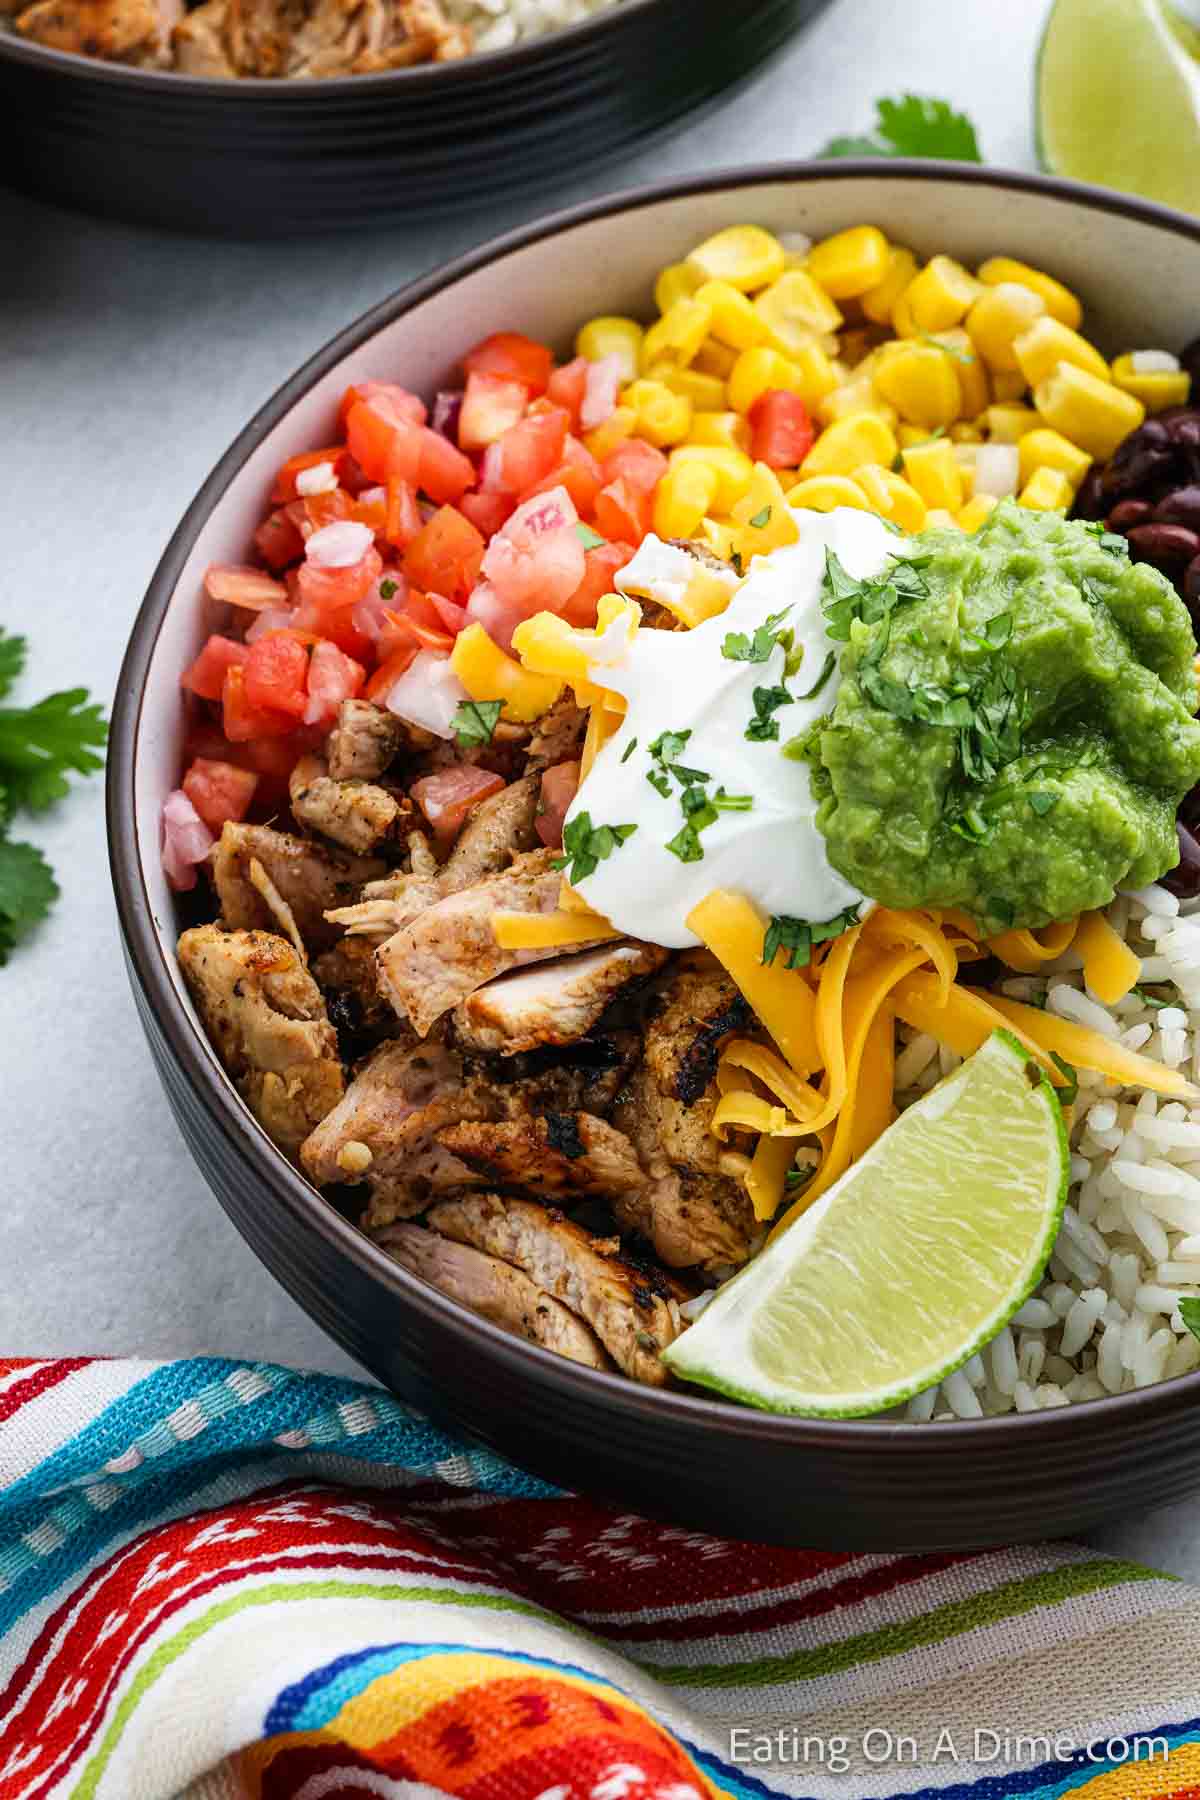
909 1264
1118 99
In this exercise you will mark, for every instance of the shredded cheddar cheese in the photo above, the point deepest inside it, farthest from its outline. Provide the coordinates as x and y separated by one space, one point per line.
550 931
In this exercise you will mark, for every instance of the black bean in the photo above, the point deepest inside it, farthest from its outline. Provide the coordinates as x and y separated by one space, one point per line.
1132 469
1184 880
1165 546
1090 502
1129 512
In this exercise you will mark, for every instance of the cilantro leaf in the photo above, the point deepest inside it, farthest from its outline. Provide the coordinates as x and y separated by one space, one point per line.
38 744
1042 802
665 752
475 722
1189 1312
591 540
913 125
830 664
586 846
27 891
763 728
1069 1094
387 588
629 749
799 936
761 519
1154 1001
12 659
739 647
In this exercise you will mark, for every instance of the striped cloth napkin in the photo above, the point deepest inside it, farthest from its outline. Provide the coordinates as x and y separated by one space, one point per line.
224 1580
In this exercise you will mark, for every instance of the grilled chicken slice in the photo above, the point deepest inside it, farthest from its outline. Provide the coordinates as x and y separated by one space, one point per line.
357 1010
495 1290
692 1213
449 950
385 1131
201 47
553 1003
355 814
559 1157
264 1013
558 734
364 741
587 1076
634 1314
311 878
117 30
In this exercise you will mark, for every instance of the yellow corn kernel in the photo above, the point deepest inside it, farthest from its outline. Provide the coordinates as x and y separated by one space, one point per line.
941 295
734 320
745 256
1050 450
854 396
757 370
908 435
1092 413
968 366
682 499
997 319
727 429
620 424
1156 389
850 262
662 417
611 335
965 431
971 516
763 515
722 536
1007 423
794 310
488 674
706 392
935 474
815 375
903 323
733 469
847 444
892 497
716 359
1061 303
1009 386
822 493
678 281
921 383
898 274
678 334
938 519
1047 343
1047 490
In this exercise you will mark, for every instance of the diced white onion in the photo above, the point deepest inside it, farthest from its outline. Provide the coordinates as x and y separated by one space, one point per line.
428 694
340 545
320 479
997 469
796 243
1153 362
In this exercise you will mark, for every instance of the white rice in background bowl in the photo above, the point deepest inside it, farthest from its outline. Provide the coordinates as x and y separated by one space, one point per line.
496 24
1106 1318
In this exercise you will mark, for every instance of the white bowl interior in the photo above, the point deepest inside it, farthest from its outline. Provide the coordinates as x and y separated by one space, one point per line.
1137 279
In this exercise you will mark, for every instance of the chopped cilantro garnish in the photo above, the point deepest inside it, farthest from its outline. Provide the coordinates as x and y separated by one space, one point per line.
827 669
913 125
588 538
736 560
1066 1095
586 846
1042 802
686 845
998 630
1189 1312
798 936
475 721
844 599
739 647
1112 541
387 588
973 825
732 802
629 749
665 751
761 519
763 727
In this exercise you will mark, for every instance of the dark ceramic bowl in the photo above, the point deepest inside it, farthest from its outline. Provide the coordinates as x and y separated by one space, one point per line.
873 1485
261 158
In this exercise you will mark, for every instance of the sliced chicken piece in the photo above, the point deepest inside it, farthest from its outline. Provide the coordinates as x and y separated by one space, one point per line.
495 1290
355 814
201 46
635 1314
559 1157
501 827
116 30
311 878
357 1010
265 1015
692 1213
553 1003
587 1076
363 743
558 734
449 950
385 1131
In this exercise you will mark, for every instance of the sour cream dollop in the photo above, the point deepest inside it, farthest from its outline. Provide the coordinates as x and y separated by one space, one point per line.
680 681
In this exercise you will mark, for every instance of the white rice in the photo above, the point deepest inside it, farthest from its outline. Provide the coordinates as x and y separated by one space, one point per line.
496 24
1106 1317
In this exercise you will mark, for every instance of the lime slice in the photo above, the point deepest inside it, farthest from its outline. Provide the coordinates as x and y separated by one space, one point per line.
911 1262
1118 99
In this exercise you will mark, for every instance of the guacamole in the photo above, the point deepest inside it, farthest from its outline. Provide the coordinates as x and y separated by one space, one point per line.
1014 729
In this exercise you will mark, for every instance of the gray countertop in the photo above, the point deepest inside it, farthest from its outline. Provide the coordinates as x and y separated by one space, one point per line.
128 361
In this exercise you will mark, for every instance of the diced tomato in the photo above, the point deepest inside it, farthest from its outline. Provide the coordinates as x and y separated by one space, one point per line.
339 625
624 512
513 357
241 720
603 561
559 786
389 672
405 403
488 512
416 620
206 676
453 616
579 473
240 585
567 386
537 560
371 512
219 790
332 678
490 407
278 540
402 519
285 482
444 473
525 455
275 672
330 587
636 462
445 555
782 431
448 797
384 440
321 510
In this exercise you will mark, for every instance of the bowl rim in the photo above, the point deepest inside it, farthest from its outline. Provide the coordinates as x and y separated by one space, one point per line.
480 65
281 1183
